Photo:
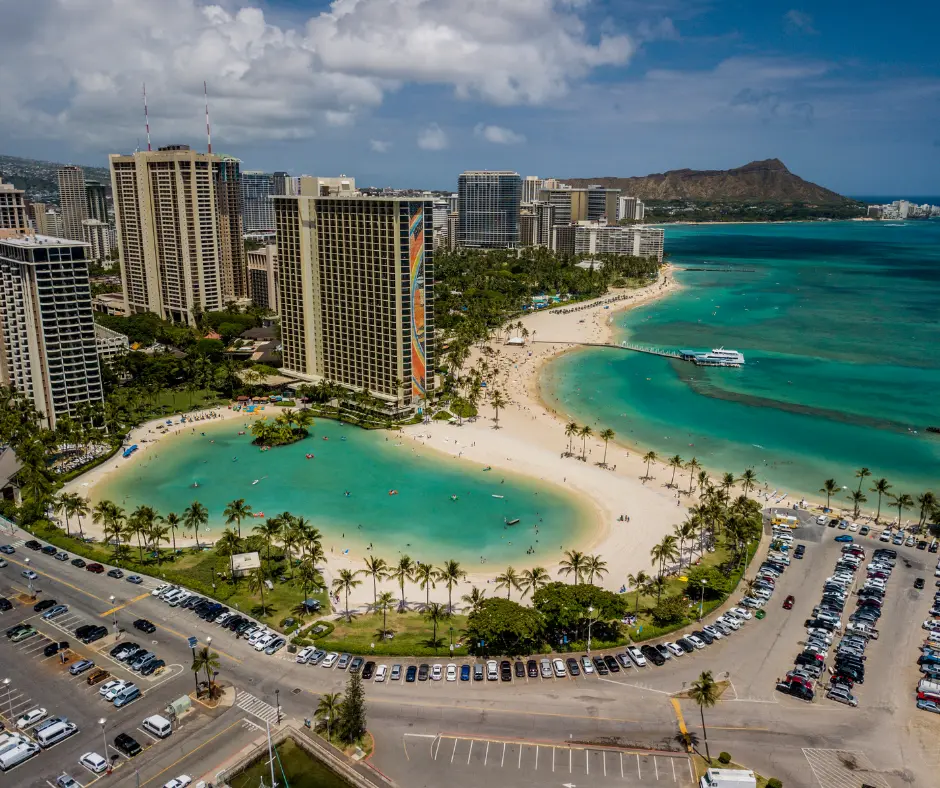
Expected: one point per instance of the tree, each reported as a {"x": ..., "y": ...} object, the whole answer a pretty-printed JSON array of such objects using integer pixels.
[
  {"x": 829, "y": 487},
  {"x": 594, "y": 565},
  {"x": 256, "y": 581},
  {"x": 450, "y": 574},
  {"x": 705, "y": 692},
  {"x": 497, "y": 401},
  {"x": 692, "y": 466},
  {"x": 173, "y": 522},
  {"x": 881, "y": 487},
  {"x": 377, "y": 569},
  {"x": 572, "y": 564},
  {"x": 727, "y": 482},
  {"x": 345, "y": 581},
  {"x": 660, "y": 554},
  {"x": 671, "y": 610},
  {"x": 402, "y": 572},
  {"x": 328, "y": 708},
  {"x": 235, "y": 512},
  {"x": 508, "y": 580},
  {"x": 857, "y": 497},
  {"x": 606, "y": 435},
  {"x": 424, "y": 576},
  {"x": 675, "y": 462},
  {"x": 584, "y": 433},
  {"x": 383, "y": 603},
  {"x": 156, "y": 535},
  {"x": 435, "y": 613},
  {"x": 229, "y": 544},
  {"x": 927, "y": 502},
  {"x": 566, "y": 608},
  {"x": 748, "y": 479},
  {"x": 902, "y": 501},
  {"x": 352, "y": 721},
  {"x": 474, "y": 599},
  {"x": 571, "y": 429},
  {"x": 195, "y": 516},
  {"x": 269, "y": 530},
  {"x": 532, "y": 580},
  {"x": 309, "y": 576},
  {"x": 648, "y": 458},
  {"x": 501, "y": 626},
  {"x": 636, "y": 582},
  {"x": 209, "y": 662},
  {"x": 861, "y": 474}
]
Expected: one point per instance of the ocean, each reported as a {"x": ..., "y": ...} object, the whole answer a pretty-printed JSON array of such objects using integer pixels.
[{"x": 838, "y": 322}]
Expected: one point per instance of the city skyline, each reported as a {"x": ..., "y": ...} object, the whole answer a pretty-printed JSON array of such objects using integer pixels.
[{"x": 397, "y": 95}]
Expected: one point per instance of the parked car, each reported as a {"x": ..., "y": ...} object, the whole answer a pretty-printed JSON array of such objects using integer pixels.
[{"x": 788, "y": 602}]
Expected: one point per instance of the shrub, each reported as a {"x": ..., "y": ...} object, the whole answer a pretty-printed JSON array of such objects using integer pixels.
[
  {"x": 671, "y": 610},
  {"x": 773, "y": 782},
  {"x": 724, "y": 757}
]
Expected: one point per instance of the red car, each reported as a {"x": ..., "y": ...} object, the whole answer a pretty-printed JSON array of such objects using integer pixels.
[
  {"x": 788, "y": 602},
  {"x": 96, "y": 568}
]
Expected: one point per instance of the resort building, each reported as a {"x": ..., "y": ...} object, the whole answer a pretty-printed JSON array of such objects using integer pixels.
[
  {"x": 488, "y": 209},
  {"x": 47, "y": 221},
  {"x": 47, "y": 331},
  {"x": 262, "y": 277},
  {"x": 109, "y": 304},
  {"x": 593, "y": 204},
  {"x": 73, "y": 198},
  {"x": 531, "y": 187},
  {"x": 97, "y": 202},
  {"x": 316, "y": 186},
  {"x": 99, "y": 238},
  {"x": 110, "y": 344},
  {"x": 13, "y": 217},
  {"x": 356, "y": 293},
  {"x": 282, "y": 183},
  {"x": 178, "y": 221},
  {"x": 602, "y": 238},
  {"x": 528, "y": 228},
  {"x": 631, "y": 209},
  {"x": 257, "y": 208}
]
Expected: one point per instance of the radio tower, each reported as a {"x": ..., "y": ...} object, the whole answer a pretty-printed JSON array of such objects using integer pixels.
[
  {"x": 146, "y": 117},
  {"x": 205, "y": 91}
]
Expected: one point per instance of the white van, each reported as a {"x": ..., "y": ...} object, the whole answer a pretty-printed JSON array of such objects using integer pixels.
[
  {"x": 10, "y": 740},
  {"x": 158, "y": 726},
  {"x": 55, "y": 733},
  {"x": 17, "y": 755},
  {"x": 170, "y": 596}
]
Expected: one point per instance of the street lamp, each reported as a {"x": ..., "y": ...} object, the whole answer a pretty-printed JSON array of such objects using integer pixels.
[
  {"x": 6, "y": 683},
  {"x": 590, "y": 613},
  {"x": 277, "y": 695},
  {"x": 102, "y": 722},
  {"x": 29, "y": 580},
  {"x": 701, "y": 602},
  {"x": 113, "y": 615}
]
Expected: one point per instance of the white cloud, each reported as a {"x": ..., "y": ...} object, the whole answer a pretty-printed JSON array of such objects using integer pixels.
[
  {"x": 499, "y": 135},
  {"x": 799, "y": 22},
  {"x": 432, "y": 137},
  {"x": 268, "y": 82},
  {"x": 380, "y": 146}
]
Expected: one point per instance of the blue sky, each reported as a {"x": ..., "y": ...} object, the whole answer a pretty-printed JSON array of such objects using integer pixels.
[{"x": 411, "y": 92}]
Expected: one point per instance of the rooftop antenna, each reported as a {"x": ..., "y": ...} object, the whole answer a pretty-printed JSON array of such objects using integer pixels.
[
  {"x": 146, "y": 117},
  {"x": 205, "y": 92}
]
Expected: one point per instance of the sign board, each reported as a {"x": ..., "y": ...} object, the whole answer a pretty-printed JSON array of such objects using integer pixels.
[{"x": 193, "y": 642}]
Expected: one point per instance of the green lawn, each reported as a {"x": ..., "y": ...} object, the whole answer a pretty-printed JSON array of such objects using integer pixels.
[{"x": 412, "y": 635}]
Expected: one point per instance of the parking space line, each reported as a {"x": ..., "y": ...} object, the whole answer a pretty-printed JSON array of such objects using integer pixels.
[
  {"x": 455, "y": 750},
  {"x": 536, "y": 757},
  {"x": 469, "y": 752},
  {"x": 621, "y": 767},
  {"x": 639, "y": 774},
  {"x": 521, "y": 747},
  {"x": 154, "y": 738},
  {"x": 604, "y": 754},
  {"x": 503, "y": 759},
  {"x": 486, "y": 754},
  {"x": 553, "y": 760},
  {"x": 656, "y": 767},
  {"x": 172, "y": 765},
  {"x": 587, "y": 762},
  {"x": 569, "y": 759}
]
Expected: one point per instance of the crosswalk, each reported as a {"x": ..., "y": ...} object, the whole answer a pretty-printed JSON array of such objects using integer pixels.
[{"x": 263, "y": 711}]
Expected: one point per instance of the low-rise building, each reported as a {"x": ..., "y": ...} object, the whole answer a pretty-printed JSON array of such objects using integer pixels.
[
  {"x": 262, "y": 277},
  {"x": 109, "y": 304},
  {"x": 111, "y": 344}
]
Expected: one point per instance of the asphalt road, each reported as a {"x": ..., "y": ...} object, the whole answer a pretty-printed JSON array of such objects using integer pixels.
[{"x": 434, "y": 733}]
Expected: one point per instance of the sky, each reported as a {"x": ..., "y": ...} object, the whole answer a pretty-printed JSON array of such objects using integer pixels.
[{"x": 409, "y": 93}]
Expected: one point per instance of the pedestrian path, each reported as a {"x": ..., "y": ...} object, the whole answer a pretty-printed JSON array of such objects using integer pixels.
[{"x": 263, "y": 711}]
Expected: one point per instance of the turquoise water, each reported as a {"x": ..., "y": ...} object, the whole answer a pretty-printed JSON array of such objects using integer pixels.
[
  {"x": 839, "y": 325},
  {"x": 420, "y": 520}
]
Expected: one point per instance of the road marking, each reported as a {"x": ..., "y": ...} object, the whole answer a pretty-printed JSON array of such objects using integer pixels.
[
  {"x": 59, "y": 580},
  {"x": 673, "y": 762},
  {"x": 656, "y": 767},
  {"x": 536, "y": 757},
  {"x": 455, "y": 750},
  {"x": 569, "y": 759},
  {"x": 521, "y": 746},
  {"x": 553, "y": 760},
  {"x": 587, "y": 762},
  {"x": 621, "y": 767},
  {"x": 172, "y": 765},
  {"x": 469, "y": 752},
  {"x": 501, "y": 711},
  {"x": 126, "y": 604},
  {"x": 486, "y": 754},
  {"x": 263, "y": 711},
  {"x": 638, "y": 773},
  {"x": 681, "y": 720}
]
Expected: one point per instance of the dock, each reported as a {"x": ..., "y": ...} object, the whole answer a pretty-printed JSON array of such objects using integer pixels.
[{"x": 651, "y": 351}]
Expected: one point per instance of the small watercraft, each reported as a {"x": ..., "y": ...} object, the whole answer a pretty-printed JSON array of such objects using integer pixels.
[
  {"x": 514, "y": 521},
  {"x": 325, "y": 438},
  {"x": 309, "y": 456},
  {"x": 488, "y": 468},
  {"x": 497, "y": 496},
  {"x": 256, "y": 481},
  {"x": 453, "y": 497},
  {"x": 393, "y": 492},
  {"x": 258, "y": 514}
]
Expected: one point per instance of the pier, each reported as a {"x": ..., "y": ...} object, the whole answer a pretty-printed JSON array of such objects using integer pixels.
[{"x": 687, "y": 355}]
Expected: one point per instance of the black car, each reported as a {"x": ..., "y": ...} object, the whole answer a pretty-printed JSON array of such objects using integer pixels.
[
  {"x": 210, "y": 612},
  {"x": 934, "y": 546},
  {"x": 16, "y": 629},
  {"x": 600, "y": 666},
  {"x": 368, "y": 670},
  {"x": 220, "y": 612},
  {"x": 573, "y": 668},
  {"x": 116, "y": 573},
  {"x": 653, "y": 655},
  {"x": 127, "y": 744},
  {"x": 921, "y": 545},
  {"x": 201, "y": 606},
  {"x": 505, "y": 670},
  {"x": 411, "y": 673},
  {"x": 78, "y": 562},
  {"x": 32, "y": 544},
  {"x": 54, "y": 648},
  {"x": 423, "y": 672},
  {"x": 532, "y": 668},
  {"x": 5, "y": 604},
  {"x": 44, "y": 605},
  {"x": 244, "y": 626},
  {"x": 704, "y": 637},
  {"x": 356, "y": 664},
  {"x": 685, "y": 645},
  {"x": 144, "y": 626},
  {"x": 152, "y": 666},
  {"x": 233, "y": 622},
  {"x": 85, "y": 629},
  {"x": 48, "y": 549},
  {"x": 919, "y": 583},
  {"x": 611, "y": 664},
  {"x": 96, "y": 634},
  {"x": 520, "y": 669},
  {"x": 191, "y": 603}
]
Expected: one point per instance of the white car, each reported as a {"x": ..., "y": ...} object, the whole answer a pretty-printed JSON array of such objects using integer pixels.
[
  {"x": 381, "y": 672},
  {"x": 105, "y": 688},
  {"x": 933, "y": 624},
  {"x": 179, "y": 782},
  {"x": 29, "y": 574},
  {"x": 93, "y": 762},
  {"x": 740, "y": 612},
  {"x": 304, "y": 654},
  {"x": 437, "y": 671},
  {"x": 712, "y": 631},
  {"x": 156, "y": 592},
  {"x": 750, "y": 601},
  {"x": 588, "y": 667},
  {"x": 822, "y": 520},
  {"x": 30, "y": 718},
  {"x": 637, "y": 656},
  {"x": 853, "y": 526},
  {"x": 256, "y": 636},
  {"x": 330, "y": 659},
  {"x": 559, "y": 667},
  {"x": 696, "y": 641},
  {"x": 676, "y": 650},
  {"x": 116, "y": 690},
  {"x": 452, "y": 672}
]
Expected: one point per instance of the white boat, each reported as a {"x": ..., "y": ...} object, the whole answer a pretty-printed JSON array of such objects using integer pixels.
[
  {"x": 721, "y": 357},
  {"x": 497, "y": 496}
]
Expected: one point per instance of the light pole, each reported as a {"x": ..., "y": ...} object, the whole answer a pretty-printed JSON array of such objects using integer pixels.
[
  {"x": 590, "y": 614},
  {"x": 277, "y": 695},
  {"x": 29, "y": 579},
  {"x": 701, "y": 601},
  {"x": 113, "y": 615},
  {"x": 102, "y": 722},
  {"x": 6, "y": 683},
  {"x": 208, "y": 677}
]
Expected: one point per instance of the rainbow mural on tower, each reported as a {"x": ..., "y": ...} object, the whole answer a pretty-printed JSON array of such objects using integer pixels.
[{"x": 418, "y": 347}]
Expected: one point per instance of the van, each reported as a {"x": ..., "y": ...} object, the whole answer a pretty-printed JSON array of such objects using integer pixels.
[
  {"x": 11, "y": 740},
  {"x": 181, "y": 597},
  {"x": 17, "y": 755},
  {"x": 170, "y": 596},
  {"x": 158, "y": 726},
  {"x": 55, "y": 733},
  {"x": 127, "y": 695}
]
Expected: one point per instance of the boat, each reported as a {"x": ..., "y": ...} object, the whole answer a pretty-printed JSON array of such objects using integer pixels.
[
  {"x": 488, "y": 468},
  {"x": 256, "y": 481},
  {"x": 717, "y": 357},
  {"x": 497, "y": 496},
  {"x": 309, "y": 456},
  {"x": 514, "y": 521},
  {"x": 393, "y": 492}
]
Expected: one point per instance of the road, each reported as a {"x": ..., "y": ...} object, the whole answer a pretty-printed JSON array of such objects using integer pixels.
[{"x": 426, "y": 733}]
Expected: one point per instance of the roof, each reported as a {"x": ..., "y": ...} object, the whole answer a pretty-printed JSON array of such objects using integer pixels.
[
  {"x": 261, "y": 332},
  {"x": 9, "y": 466}
]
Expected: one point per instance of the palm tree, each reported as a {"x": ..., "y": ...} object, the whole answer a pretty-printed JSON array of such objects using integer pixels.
[
  {"x": 208, "y": 661},
  {"x": 593, "y": 565},
  {"x": 675, "y": 463},
  {"x": 269, "y": 530},
  {"x": 881, "y": 487},
  {"x": 902, "y": 501},
  {"x": 829, "y": 487},
  {"x": 474, "y": 599},
  {"x": 329, "y": 707},
  {"x": 158, "y": 533},
  {"x": 256, "y": 581},
  {"x": 660, "y": 554},
  {"x": 573, "y": 564},
  {"x": 705, "y": 692},
  {"x": 402, "y": 572},
  {"x": 532, "y": 580},
  {"x": 309, "y": 576},
  {"x": 927, "y": 502},
  {"x": 235, "y": 512},
  {"x": 378, "y": 569},
  {"x": 704, "y": 484},
  {"x": 857, "y": 497},
  {"x": 435, "y": 613},
  {"x": 606, "y": 435},
  {"x": 497, "y": 401},
  {"x": 383, "y": 603},
  {"x": 748, "y": 479},
  {"x": 229, "y": 543},
  {"x": 141, "y": 520},
  {"x": 194, "y": 516},
  {"x": 584, "y": 433},
  {"x": 508, "y": 580},
  {"x": 63, "y": 504},
  {"x": 450, "y": 574},
  {"x": 173, "y": 522},
  {"x": 692, "y": 466},
  {"x": 727, "y": 482},
  {"x": 424, "y": 576},
  {"x": 861, "y": 474},
  {"x": 346, "y": 581},
  {"x": 571, "y": 429},
  {"x": 637, "y": 582},
  {"x": 648, "y": 458},
  {"x": 685, "y": 532}
]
